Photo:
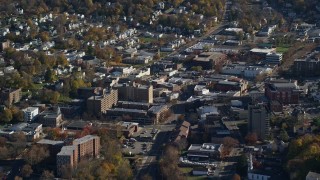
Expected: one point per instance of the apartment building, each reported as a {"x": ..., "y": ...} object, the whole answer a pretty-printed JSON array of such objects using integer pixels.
[
  {"x": 88, "y": 146},
  {"x": 30, "y": 113},
  {"x": 258, "y": 120},
  {"x": 135, "y": 92},
  {"x": 67, "y": 158},
  {"x": 10, "y": 96},
  {"x": 100, "y": 104},
  {"x": 82, "y": 148}
]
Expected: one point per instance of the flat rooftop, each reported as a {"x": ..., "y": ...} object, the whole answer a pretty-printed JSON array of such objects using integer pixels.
[
  {"x": 84, "y": 139},
  {"x": 50, "y": 142},
  {"x": 67, "y": 151},
  {"x": 206, "y": 147}
]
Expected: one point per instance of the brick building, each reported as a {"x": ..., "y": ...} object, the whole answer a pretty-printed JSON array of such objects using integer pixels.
[
  {"x": 258, "y": 120},
  {"x": 135, "y": 92},
  {"x": 307, "y": 67},
  {"x": 285, "y": 93},
  {"x": 10, "y": 96},
  {"x": 100, "y": 104},
  {"x": 82, "y": 148}
]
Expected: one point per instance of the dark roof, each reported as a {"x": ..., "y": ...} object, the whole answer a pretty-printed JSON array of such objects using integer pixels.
[{"x": 78, "y": 125}]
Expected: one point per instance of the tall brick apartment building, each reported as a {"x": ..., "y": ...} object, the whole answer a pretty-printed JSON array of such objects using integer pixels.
[
  {"x": 100, "y": 104},
  {"x": 10, "y": 96},
  {"x": 135, "y": 92},
  {"x": 82, "y": 148}
]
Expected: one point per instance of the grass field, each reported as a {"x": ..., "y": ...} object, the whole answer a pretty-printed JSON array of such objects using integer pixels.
[
  {"x": 282, "y": 49},
  {"x": 187, "y": 172},
  {"x": 147, "y": 39}
]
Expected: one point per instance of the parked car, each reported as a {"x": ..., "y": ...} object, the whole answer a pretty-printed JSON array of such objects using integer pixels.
[{"x": 132, "y": 140}]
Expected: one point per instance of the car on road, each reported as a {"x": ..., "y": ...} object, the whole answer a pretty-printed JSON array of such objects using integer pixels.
[{"x": 132, "y": 140}]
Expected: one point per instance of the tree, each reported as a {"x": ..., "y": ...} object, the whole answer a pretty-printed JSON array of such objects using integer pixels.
[
  {"x": 284, "y": 135},
  {"x": 62, "y": 60},
  {"x": 196, "y": 68},
  {"x": 49, "y": 96},
  {"x": 146, "y": 177},
  {"x": 228, "y": 144},
  {"x": 316, "y": 121},
  {"x": 124, "y": 170},
  {"x": 44, "y": 36},
  {"x": 242, "y": 165},
  {"x": 236, "y": 177},
  {"x": 26, "y": 171},
  {"x": 36, "y": 154},
  {"x": 118, "y": 59},
  {"x": 251, "y": 138},
  {"x": 3, "y": 141},
  {"x": 17, "y": 114},
  {"x": 47, "y": 175},
  {"x": 4, "y": 153},
  {"x": 169, "y": 163},
  {"x": 66, "y": 172},
  {"x": 6, "y": 115},
  {"x": 50, "y": 76}
]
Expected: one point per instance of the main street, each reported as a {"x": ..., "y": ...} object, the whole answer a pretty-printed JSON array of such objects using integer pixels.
[{"x": 149, "y": 163}]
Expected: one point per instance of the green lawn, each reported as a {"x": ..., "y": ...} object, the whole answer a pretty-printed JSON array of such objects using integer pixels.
[
  {"x": 147, "y": 39},
  {"x": 282, "y": 49},
  {"x": 64, "y": 99},
  {"x": 164, "y": 54},
  {"x": 38, "y": 86},
  {"x": 187, "y": 172},
  {"x": 196, "y": 177}
]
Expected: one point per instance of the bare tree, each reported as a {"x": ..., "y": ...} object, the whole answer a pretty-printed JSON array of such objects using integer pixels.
[
  {"x": 36, "y": 154},
  {"x": 169, "y": 163},
  {"x": 47, "y": 175},
  {"x": 26, "y": 171}
]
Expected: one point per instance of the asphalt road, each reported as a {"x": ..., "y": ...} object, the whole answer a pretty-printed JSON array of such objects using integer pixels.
[{"x": 150, "y": 161}]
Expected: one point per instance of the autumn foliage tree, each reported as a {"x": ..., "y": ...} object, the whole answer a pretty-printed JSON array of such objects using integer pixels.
[
  {"x": 251, "y": 138},
  {"x": 169, "y": 163},
  {"x": 36, "y": 154},
  {"x": 228, "y": 144}
]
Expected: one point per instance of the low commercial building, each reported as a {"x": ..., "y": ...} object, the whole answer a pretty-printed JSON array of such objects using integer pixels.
[
  {"x": 308, "y": 66},
  {"x": 132, "y": 115},
  {"x": 208, "y": 60},
  {"x": 273, "y": 58},
  {"x": 51, "y": 117},
  {"x": 285, "y": 93},
  {"x": 31, "y": 131},
  {"x": 204, "y": 152}
]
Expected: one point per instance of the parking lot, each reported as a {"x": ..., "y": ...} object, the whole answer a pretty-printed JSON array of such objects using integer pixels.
[
  {"x": 141, "y": 142},
  {"x": 136, "y": 147}
]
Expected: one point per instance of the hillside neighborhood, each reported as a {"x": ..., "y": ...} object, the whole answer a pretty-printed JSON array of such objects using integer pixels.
[{"x": 150, "y": 89}]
